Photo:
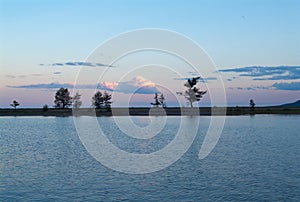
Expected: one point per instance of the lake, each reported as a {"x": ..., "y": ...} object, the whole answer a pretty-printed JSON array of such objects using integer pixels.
[{"x": 255, "y": 159}]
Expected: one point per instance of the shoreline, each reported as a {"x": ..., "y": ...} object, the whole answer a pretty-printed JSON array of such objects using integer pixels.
[{"x": 143, "y": 111}]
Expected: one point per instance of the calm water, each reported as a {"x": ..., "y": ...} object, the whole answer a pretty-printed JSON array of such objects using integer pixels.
[{"x": 256, "y": 159}]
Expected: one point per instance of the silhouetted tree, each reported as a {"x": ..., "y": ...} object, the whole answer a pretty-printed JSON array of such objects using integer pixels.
[
  {"x": 156, "y": 103},
  {"x": 15, "y": 104},
  {"x": 162, "y": 101},
  {"x": 63, "y": 98},
  {"x": 251, "y": 104},
  {"x": 76, "y": 101},
  {"x": 193, "y": 94},
  {"x": 97, "y": 100},
  {"x": 107, "y": 100}
]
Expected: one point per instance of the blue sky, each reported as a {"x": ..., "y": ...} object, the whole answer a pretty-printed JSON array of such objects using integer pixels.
[{"x": 236, "y": 34}]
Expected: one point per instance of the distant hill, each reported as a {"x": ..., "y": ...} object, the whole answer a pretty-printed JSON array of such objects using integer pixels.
[{"x": 294, "y": 104}]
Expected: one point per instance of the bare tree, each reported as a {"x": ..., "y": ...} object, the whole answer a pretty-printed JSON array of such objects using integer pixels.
[{"x": 63, "y": 98}]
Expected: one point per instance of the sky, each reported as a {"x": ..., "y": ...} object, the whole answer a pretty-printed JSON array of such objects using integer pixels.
[{"x": 253, "y": 45}]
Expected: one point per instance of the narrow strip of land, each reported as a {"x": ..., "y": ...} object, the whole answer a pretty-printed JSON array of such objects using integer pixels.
[{"x": 174, "y": 111}]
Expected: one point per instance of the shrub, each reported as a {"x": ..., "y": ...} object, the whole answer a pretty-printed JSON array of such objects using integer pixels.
[{"x": 45, "y": 108}]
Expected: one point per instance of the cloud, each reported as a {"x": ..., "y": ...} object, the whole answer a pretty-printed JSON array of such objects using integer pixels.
[
  {"x": 289, "y": 77},
  {"x": 194, "y": 73},
  {"x": 57, "y": 64},
  {"x": 36, "y": 75},
  {"x": 10, "y": 76},
  {"x": 110, "y": 85},
  {"x": 232, "y": 78},
  {"x": 202, "y": 79},
  {"x": 56, "y": 85},
  {"x": 99, "y": 86},
  {"x": 253, "y": 88},
  {"x": 44, "y": 86},
  {"x": 267, "y": 73},
  {"x": 78, "y": 64},
  {"x": 205, "y": 80},
  {"x": 294, "y": 86},
  {"x": 138, "y": 85},
  {"x": 247, "y": 88},
  {"x": 21, "y": 76}
]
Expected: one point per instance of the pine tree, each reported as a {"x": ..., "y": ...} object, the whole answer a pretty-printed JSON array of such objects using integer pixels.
[
  {"x": 251, "y": 104},
  {"x": 63, "y": 98},
  {"x": 107, "y": 100},
  {"x": 193, "y": 94},
  {"x": 162, "y": 101},
  {"x": 156, "y": 103},
  {"x": 76, "y": 101},
  {"x": 15, "y": 104},
  {"x": 97, "y": 100}
]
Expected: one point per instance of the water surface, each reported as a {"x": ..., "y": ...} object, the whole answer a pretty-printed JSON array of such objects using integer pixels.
[{"x": 256, "y": 158}]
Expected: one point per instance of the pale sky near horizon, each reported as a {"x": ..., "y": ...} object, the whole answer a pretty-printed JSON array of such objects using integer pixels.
[{"x": 254, "y": 43}]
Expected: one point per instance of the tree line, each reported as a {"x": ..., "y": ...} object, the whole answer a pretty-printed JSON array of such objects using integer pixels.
[
  {"x": 63, "y": 99},
  {"x": 99, "y": 100}
]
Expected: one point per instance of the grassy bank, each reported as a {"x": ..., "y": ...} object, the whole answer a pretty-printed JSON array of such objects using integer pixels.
[{"x": 205, "y": 111}]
